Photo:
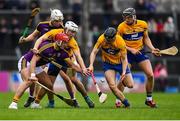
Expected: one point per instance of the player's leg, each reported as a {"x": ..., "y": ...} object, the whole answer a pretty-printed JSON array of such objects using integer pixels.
[
  {"x": 127, "y": 82},
  {"x": 22, "y": 87},
  {"x": 51, "y": 102},
  {"x": 80, "y": 87},
  {"x": 69, "y": 86},
  {"x": 68, "y": 83},
  {"x": 44, "y": 79},
  {"x": 110, "y": 76},
  {"x": 147, "y": 69},
  {"x": 34, "y": 89},
  {"x": 53, "y": 71},
  {"x": 31, "y": 96}
]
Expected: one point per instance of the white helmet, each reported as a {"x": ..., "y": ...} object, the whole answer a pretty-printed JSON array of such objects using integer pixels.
[
  {"x": 56, "y": 14},
  {"x": 71, "y": 26}
]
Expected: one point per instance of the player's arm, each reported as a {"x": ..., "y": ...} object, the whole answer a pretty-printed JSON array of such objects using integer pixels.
[
  {"x": 29, "y": 38},
  {"x": 41, "y": 39},
  {"x": 92, "y": 58},
  {"x": 133, "y": 51},
  {"x": 32, "y": 36},
  {"x": 94, "y": 52},
  {"x": 47, "y": 36},
  {"x": 34, "y": 59},
  {"x": 77, "y": 53},
  {"x": 124, "y": 62},
  {"x": 149, "y": 44},
  {"x": 72, "y": 65}
]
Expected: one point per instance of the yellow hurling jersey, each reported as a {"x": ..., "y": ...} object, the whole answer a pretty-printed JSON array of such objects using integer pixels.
[
  {"x": 72, "y": 45},
  {"x": 51, "y": 34},
  {"x": 111, "y": 52},
  {"x": 133, "y": 35}
]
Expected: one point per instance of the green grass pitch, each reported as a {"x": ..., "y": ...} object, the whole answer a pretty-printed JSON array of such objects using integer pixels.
[{"x": 168, "y": 108}]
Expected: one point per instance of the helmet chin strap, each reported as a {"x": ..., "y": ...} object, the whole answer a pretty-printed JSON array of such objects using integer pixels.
[{"x": 66, "y": 31}]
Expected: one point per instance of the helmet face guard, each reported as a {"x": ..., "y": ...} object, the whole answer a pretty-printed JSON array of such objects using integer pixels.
[
  {"x": 109, "y": 34},
  {"x": 109, "y": 40},
  {"x": 69, "y": 25},
  {"x": 56, "y": 15},
  {"x": 56, "y": 23},
  {"x": 71, "y": 28},
  {"x": 129, "y": 15}
]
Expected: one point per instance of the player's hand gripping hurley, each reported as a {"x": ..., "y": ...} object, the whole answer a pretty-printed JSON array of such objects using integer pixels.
[
  {"x": 34, "y": 12},
  {"x": 102, "y": 96}
]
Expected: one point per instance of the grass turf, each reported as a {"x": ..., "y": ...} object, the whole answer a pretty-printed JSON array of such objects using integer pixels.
[{"x": 168, "y": 108}]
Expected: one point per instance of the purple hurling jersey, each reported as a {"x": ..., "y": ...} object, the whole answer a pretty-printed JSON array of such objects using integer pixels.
[
  {"x": 45, "y": 26},
  {"x": 47, "y": 49}
]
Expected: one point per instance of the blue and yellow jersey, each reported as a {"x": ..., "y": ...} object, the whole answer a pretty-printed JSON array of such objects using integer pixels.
[
  {"x": 72, "y": 45},
  {"x": 111, "y": 52},
  {"x": 133, "y": 35},
  {"x": 45, "y": 26}
]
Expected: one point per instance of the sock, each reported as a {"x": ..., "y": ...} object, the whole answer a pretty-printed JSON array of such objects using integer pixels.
[
  {"x": 149, "y": 96},
  {"x": 71, "y": 95},
  {"x": 51, "y": 102},
  {"x": 15, "y": 99},
  {"x": 125, "y": 102},
  {"x": 37, "y": 100},
  {"x": 86, "y": 98}
]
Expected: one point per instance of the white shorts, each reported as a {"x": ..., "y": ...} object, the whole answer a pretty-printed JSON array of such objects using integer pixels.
[{"x": 22, "y": 63}]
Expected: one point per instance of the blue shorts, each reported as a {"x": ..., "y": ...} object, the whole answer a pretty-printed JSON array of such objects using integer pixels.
[
  {"x": 137, "y": 58},
  {"x": 54, "y": 70},
  {"x": 116, "y": 67}
]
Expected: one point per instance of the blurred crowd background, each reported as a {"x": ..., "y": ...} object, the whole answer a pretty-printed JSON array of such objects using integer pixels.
[{"x": 93, "y": 17}]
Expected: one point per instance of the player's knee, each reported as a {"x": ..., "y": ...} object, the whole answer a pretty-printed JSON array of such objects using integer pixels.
[
  {"x": 74, "y": 79},
  {"x": 150, "y": 76},
  {"x": 130, "y": 85},
  {"x": 112, "y": 87}
]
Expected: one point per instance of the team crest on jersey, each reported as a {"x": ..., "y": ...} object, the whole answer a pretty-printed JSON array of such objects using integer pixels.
[{"x": 111, "y": 51}]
